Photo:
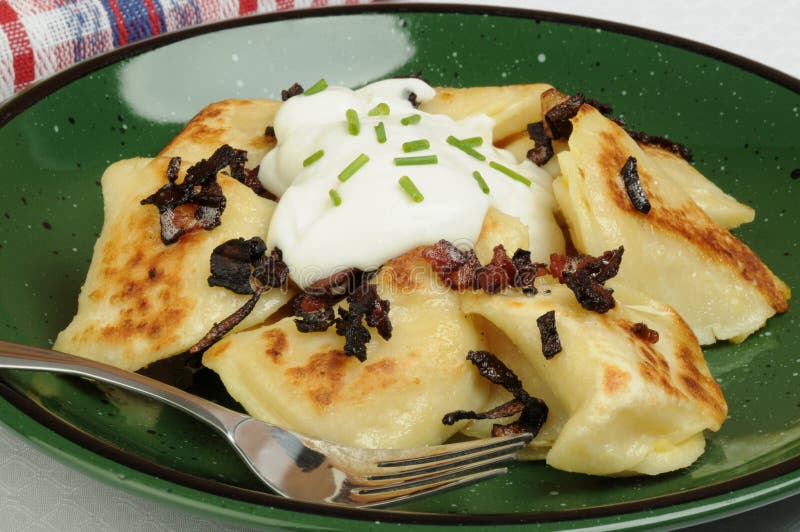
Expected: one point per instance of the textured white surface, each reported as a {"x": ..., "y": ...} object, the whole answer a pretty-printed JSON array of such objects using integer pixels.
[{"x": 37, "y": 493}]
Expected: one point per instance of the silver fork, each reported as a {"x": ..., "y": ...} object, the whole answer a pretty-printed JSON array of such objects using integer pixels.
[{"x": 297, "y": 466}]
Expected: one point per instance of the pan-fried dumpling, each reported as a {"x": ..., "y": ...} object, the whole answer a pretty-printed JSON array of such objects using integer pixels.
[
  {"x": 632, "y": 407},
  {"x": 238, "y": 123},
  {"x": 142, "y": 300},
  {"x": 396, "y": 398},
  {"x": 675, "y": 253},
  {"x": 512, "y": 107},
  {"x": 721, "y": 207}
]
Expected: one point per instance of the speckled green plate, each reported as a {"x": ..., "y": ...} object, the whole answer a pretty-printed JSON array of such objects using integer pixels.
[{"x": 740, "y": 119}]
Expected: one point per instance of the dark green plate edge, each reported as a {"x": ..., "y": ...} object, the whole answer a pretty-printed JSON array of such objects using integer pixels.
[{"x": 113, "y": 465}]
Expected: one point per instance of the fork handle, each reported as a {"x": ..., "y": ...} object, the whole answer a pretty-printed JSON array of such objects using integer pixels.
[{"x": 25, "y": 357}]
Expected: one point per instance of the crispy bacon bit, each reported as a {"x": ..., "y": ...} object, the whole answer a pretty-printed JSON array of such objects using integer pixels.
[
  {"x": 533, "y": 411},
  {"x": 661, "y": 142},
  {"x": 498, "y": 274},
  {"x": 644, "y": 332},
  {"x": 247, "y": 177},
  {"x": 585, "y": 275},
  {"x": 232, "y": 264},
  {"x": 526, "y": 271},
  {"x": 456, "y": 268},
  {"x": 315, "y": 313},
  {"x": 363, "y": 304},
  {"x": 294, "y": 90},
  {"x": 314, "y": 308},
  {"x": 461, "y": 270},
  {"x": 633, "y": 186},
  {"x": 243, "y": 267},
  {"x": 558, "y": 117},
  {"x": 173, "y": 168},
  {"x": 543, "y": 149},
  {"x": 195, "y": 203},
  {"x": 551, "y": 343}
]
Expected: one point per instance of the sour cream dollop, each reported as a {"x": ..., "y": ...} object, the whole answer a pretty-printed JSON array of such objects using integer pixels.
[{"x": 377, "y": 219}]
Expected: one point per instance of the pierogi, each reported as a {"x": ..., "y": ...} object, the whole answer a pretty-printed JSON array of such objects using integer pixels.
[{"x": 619, "y": 403}]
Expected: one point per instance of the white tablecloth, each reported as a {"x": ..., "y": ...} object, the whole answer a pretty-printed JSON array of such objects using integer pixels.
[{"x": 37, "y": 493}]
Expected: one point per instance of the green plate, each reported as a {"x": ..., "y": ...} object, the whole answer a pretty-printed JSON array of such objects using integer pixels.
[{"x": 740, "y": 119}]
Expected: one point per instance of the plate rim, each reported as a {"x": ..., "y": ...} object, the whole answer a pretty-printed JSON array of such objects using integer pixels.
[
  {"x": 35, "y": 92},
  {"x": 787, "y": 470}
]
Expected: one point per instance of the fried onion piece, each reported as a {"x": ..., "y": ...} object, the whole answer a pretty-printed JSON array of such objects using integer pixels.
[
  {"x": 533, "y": 411},
  {"x": 633, "y": 186},
  {"x": 195, "y": 203},
  {"x": 551, "y": 343},
  {"x": 558, "y": 117},
  {"x": 585, "y": 275}
]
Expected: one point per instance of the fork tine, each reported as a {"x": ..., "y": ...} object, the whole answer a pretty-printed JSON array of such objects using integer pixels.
[
  {"x": 484, "y": 456},
  {"x": 442, "y": 453},
  {"x": 402, "y": 492}
]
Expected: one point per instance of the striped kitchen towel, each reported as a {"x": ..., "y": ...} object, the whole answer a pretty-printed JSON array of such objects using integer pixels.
[{"x": 40, "y": 37}]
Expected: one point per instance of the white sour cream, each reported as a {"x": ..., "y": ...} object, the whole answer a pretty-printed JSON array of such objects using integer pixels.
[{"x": 377, "y": 219}]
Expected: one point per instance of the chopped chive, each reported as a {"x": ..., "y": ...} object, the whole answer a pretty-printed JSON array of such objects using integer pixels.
[
  {"x": 416, "y": 145},
  {"x": 481, "y": 183},
  {"x": 381, "y": 109},
  {"x": 335, "y": 197},
  {"x": 420, "y": 159},
  {"x": 314, "y": 157},
  {"x": 510, "y": 173},
  {"x": 353, "y": 125},
  {"x": 353, "y": 167},
  {"x": 451, "y": 140},
  {"x": 411, "y": 189},
  {"x": 380, "y": 133},
  {"x": 410, "y": 119},
  {"x": 472, "y": 142},
  {"x": 319, "y": 86}
]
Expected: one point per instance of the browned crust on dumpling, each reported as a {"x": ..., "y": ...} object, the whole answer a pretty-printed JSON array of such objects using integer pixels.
[{"x": 688, "y": 221}]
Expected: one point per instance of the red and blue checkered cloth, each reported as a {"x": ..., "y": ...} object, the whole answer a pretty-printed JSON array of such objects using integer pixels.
[{"x": 41, "y": 37}]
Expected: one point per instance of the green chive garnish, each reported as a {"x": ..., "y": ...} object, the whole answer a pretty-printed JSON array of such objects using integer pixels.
[
  {"x": 416, "y": 145},
  {"x": 411, "y": 189},
  {"x": 353, "y": 167},
  {"x": 335, "y": 197},
  {"x": 420, "y": 159},
  {"x": 510, "y": 173},
  {"x": 481, "y": 183},
  {"x": 319, "y": 86},
  {"x": 353, "y": 125},
  {"x": 380, "y": 133},
  {"x": 410, "y": 119},
  {"x": 314, "y": 157},
  {"x": 451, "y": 140},
  {"x": 472, "y": 142},
  {"x": 381, "y": 109}
]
